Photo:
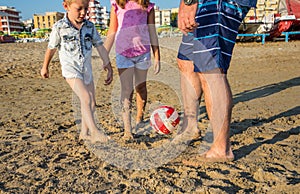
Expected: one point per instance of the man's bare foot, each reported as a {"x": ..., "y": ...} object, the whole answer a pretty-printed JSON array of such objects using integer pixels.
[
  {"x": 190, "y": 134},
  {"x": 98, "y": 136},
  {"x": 209, "y": 157}
]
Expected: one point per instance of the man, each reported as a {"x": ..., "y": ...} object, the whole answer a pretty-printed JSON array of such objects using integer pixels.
[{"x": 210, "y": 29}]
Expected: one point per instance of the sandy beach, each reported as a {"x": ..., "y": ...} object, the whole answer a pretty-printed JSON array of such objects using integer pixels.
[{"x": 40, "y": 122}]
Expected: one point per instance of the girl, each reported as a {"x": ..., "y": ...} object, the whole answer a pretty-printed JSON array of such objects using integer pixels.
[{"x": 132, "y": 26}]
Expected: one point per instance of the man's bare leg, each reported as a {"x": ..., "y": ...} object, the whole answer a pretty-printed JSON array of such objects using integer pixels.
[
  {"x": 218, "y": 100},
  {"x": 191, "y": 93}
]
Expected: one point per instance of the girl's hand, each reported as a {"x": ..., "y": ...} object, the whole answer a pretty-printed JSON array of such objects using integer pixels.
[
  {"x": 137, "y": 44},
  {"x": 156, "y": 67}
]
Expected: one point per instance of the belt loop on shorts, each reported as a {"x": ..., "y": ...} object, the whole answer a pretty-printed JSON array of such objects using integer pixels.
[{"x": 219, "y": 4}]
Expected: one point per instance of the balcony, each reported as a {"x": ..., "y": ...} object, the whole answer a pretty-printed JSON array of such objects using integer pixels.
[
  {"x": 270, "y": 8},
  {"x": 92, "y": 4},
  {"x": 14, "y": 16},
  {"x": 12, "y": 26}
]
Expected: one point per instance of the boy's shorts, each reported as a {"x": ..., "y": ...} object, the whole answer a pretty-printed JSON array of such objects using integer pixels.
[
  {"x": 210, "y": 46},
  {"x": 83, "y": 72},
  {"x": 142, "y": 62}
]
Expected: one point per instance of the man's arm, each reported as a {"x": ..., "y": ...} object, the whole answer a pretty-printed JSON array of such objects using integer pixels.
[{"x": 186, "y": 17}]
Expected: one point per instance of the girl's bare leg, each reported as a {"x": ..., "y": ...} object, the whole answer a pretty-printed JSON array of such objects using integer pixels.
[
  {"x": 126, "y": 79},
  {"x": 84, "y": 94},
  {"x": 141, "y": 93}
]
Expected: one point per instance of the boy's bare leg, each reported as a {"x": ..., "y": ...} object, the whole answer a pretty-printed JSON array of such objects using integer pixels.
[
  {"x": 81, "y": 90},
  {"x": 126, "y": 79},
  {"x": 141, "y": 93},
  {"x": 191, "y": 93},
  {"x": 84, "y": 128},
  {"x": 218, "y": 99}
]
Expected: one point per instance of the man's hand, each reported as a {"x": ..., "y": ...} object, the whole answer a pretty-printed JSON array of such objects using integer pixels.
[{"x": 186, "y": 17}]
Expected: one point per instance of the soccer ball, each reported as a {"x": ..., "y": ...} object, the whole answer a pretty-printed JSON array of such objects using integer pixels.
[{"x": 164, "y": 119}]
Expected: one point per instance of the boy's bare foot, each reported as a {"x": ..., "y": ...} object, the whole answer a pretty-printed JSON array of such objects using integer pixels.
[
  {"x": 98, "y": 136},
  {"x": 84, "y": 133},
  {"x": 83, "y": 136}
]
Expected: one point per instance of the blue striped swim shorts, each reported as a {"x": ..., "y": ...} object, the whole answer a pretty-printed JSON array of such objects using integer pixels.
[{"x": 210, "y": 46}]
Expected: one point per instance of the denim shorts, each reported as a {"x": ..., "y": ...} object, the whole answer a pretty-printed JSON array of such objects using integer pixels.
[
  {"x": 210, "y": 46},
  {"x": 142, "y": 62},
  {"x": 83, "y": 72}
]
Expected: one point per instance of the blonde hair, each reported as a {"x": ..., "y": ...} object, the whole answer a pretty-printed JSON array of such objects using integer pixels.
[
  {"x": 69, "y": 2},
  {"x": 143, "y": 3}
]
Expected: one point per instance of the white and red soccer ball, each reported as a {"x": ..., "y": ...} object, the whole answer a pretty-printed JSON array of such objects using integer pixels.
[{"x": 164, "y": 119}]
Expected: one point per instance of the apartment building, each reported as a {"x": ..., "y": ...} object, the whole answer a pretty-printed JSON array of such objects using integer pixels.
[
  {"x": 106, "y": 17},
  {"x": 10, "y": 20},
  {"x": 162, "y": 17},
  {"x": 95, "y": 13},
  {"x": 42, "y": 21}
]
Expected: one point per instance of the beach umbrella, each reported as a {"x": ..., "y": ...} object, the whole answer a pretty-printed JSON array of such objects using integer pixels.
[{"x": 14, "y": 33}]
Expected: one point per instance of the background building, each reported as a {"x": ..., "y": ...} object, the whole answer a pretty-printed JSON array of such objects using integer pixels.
[
  {"x": 106, "y": 17},
  {"x": 10, "y": 20},
  {"x": 28, "y": 25},
  {"x": 42, "y": 21},
  {"x": 162, "y": 17},
  {"x": 95, "y": 13}
]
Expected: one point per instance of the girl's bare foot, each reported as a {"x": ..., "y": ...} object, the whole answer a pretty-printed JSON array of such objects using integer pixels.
[{"x": 128, "y": 136}]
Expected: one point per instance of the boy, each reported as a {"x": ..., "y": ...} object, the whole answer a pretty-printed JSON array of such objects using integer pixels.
[{"x": 74, "y": 37}]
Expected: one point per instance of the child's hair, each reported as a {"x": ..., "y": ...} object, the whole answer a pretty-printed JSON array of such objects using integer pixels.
[
  {"x": 143, "y": 3},
  {"x": 69, "y": 1}
]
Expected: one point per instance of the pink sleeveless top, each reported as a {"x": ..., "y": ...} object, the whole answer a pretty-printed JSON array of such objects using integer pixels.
[{"x": 132, "y": 27}]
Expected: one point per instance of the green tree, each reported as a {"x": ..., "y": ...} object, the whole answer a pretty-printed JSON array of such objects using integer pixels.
[{"x": 174, "y": 19}]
